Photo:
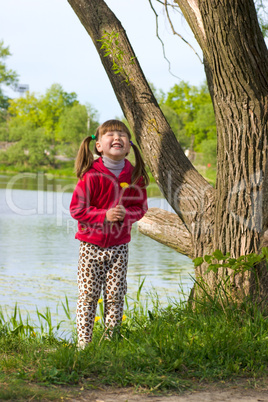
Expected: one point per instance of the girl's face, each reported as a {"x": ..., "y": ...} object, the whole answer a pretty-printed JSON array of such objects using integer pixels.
[{"x": 114, "y": 144}]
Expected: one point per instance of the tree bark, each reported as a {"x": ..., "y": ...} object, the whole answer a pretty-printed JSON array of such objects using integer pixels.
[
  {"x": 167, "y": 228},
  {"x": 236, "y": 64},
  {"x": 232, "y": 218},
  {"x": 185, "y": 189}
]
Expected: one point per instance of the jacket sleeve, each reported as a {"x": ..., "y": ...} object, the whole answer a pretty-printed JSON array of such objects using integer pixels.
[
  {"x": 80, "y": 208},
  {"x": 137, "y": 208}
]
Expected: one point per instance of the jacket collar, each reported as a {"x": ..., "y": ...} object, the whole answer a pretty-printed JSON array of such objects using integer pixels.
[{"x": 126, "y": 172}]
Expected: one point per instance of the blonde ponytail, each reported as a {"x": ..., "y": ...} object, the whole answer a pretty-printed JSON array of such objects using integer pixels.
[
  {"x": 139, "y": 169},
  {"x": 84, "y": 158}
]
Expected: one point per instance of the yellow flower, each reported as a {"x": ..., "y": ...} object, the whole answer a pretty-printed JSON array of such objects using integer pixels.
[
  {"x": 124, "y": 185},
  {"x": 100, "y": 300},
  {"x": 124, "y": 317},
  {"x": 97, "y": 319}
]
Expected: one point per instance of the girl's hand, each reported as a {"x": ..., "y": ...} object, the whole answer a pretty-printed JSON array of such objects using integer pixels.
[{"x": 116, "y": 214}]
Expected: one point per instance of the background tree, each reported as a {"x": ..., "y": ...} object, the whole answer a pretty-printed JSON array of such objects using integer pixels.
[
  {"x": 52, "y": 105},
  {"x": 194, "y": 123},
  {"x": 43, "y": 111},
  {"x": 31, "y": 151},
  {"x": 43, "y": 126},
  {"x": 22, "y": 110},
  {"x": 8, "y": 77},
  {"x": 233, "y": 217},
  {"x": 74, "y": 125}
]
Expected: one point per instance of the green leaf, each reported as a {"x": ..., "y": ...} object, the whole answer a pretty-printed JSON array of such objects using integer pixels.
[
  {"x": 218, "y": 255},
  {"x": 151, "y": 316},
  {"x": 198, "y": 261},
  {"x": 214, "y": 267},
  {"x": 264, "y": 251},
  {"x": 208, "y": 258},
  {"x": 232, "y": 261}
]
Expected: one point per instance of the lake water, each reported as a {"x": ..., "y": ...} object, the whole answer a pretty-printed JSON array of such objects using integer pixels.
[{"x": 38, "y": 260}]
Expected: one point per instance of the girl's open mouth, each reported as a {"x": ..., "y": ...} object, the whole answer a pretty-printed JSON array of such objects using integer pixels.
[{"x": 117, "y": 146}]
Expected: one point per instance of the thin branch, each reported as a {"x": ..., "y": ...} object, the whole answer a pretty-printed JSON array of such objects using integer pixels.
[
  {"x": 175, "y": 7},
  {"x": 176, "y": 33},
  {"x": 162, "y": 43}
]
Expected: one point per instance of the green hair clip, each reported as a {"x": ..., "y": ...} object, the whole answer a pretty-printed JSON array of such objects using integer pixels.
[{"x": 93, "y": 137}]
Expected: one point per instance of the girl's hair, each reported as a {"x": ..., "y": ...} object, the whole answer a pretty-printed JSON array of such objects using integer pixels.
[{"x": 85, "y": 157}]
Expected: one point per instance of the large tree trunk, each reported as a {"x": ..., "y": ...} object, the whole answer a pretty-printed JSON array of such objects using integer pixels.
[
  {"x": 184, "y": 188},
  {"x": 236, "y": 64}
]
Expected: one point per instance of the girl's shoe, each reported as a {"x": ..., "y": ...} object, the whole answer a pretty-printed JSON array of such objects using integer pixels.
[{"x": 81, "y": 345}]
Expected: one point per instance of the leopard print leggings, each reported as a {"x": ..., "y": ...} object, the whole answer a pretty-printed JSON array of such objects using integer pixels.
[{"x": 100, "y": 268}]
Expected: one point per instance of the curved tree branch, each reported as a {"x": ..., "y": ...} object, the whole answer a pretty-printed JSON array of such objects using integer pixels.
[
  {"x": 186, "y": 190},
  {"x": 167, "y": 228},
  {"x": 236, "y": 60}
]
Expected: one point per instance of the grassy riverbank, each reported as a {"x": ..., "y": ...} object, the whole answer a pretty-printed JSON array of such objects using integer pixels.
[
  {"x": 67, "y": 170},
  {"x": 158, "y": 349}
]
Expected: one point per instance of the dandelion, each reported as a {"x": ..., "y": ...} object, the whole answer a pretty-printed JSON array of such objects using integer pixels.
[
  {"x": 100, "y": 301},
  {"x": 124, "y": 317},
  {"x": 97, "y": 319},
  {"x": 124, "y": 185}
]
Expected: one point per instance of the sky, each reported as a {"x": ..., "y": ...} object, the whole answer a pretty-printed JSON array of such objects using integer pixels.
[{"x": 49, "y": 45}]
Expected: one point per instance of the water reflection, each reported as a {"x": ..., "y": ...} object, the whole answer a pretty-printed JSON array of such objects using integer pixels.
[
  {"x": 39, "y": 253},
  {"x": 48, "y": 183}
]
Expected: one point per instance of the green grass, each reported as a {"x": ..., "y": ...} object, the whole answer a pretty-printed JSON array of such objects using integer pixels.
[
  {"x": 209, "y": 173},
  {"x": 19, "y": 390},
  {"x": 65, "y": 169},
  {"x": 157, "y": 349}
]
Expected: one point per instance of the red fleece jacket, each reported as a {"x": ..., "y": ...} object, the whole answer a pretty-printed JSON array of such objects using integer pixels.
[{"x": 100, "y": 190}]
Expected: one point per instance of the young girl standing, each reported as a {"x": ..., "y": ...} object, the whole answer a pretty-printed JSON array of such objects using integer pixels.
[{"x": 109, "y": 197}]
